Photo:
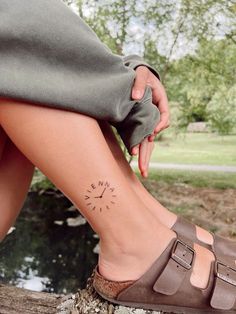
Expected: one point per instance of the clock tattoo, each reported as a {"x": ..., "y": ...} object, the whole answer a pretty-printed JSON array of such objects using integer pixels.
[{"x": 100, "y": 196}]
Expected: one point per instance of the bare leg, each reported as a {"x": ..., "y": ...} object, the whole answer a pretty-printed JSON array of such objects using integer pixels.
[
  {"x": 3, "y": 138},
  {"x": 71, "y": 150},
  {"x": 15, "y": 176},
  {"x": 161, "y": 213}
]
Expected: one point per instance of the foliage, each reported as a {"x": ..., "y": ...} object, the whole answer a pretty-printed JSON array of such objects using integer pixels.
[
  {"x": 40, "y": 182},
  {"x": 191, "y": 43},
  {"x": 198, "y": 82},
  {"x": 109, "y": 20},
  {"x": 222, "y": 110}
]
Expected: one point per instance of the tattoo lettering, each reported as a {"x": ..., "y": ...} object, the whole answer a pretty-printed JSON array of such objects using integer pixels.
[{"x": 100, "y": 195}]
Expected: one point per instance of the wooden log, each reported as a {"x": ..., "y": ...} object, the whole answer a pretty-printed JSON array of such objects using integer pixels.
[
  {"x": 86, "y": 301},
  {"x": 21, "y": 301}
]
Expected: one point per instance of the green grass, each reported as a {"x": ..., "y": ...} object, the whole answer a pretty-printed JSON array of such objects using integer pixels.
[
  {"x": 199, "y": 179},
  {"x": 196, "y": 148},
  {"x": 189, "y": 148}
]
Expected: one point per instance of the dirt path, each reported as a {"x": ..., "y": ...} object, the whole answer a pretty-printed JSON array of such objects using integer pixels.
[
  {"x": 157, "y": 165},
  {"x": 213, "y": 209}
]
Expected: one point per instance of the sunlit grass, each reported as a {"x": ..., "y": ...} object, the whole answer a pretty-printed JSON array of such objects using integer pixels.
[
  {"x": 199, "y": 179},
  {"x": 192, "y": 148}
]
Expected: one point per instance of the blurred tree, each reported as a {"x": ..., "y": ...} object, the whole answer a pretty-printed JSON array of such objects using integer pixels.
[
  {"x": 194, "y": 81},
  {"x": 222, "y": 110},
  {"x": 109, "y": 19},
  {"x": 191, "y": 43}
]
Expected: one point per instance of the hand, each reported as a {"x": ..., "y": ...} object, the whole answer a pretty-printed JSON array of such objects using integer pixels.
[{"x": 145, "y": 77}]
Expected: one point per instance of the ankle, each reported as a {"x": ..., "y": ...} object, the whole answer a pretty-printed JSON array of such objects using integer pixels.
[
  {"x": 129, "y": 259},
  {"x": 129, "y": 240}
]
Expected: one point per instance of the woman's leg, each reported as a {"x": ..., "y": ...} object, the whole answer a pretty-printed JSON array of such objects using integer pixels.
[
  {"x": 3, "y": 138},
  {"x": 159, "y": 211},
  {"x": 15, "y": 176},
  {"x": 71, "y": 150}
]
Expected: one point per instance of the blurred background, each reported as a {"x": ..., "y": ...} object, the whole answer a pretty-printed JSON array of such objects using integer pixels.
[{"x": 192, "y": 44}]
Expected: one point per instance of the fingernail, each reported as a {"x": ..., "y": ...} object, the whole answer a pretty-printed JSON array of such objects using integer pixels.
[{"x": 137, "y": 93}]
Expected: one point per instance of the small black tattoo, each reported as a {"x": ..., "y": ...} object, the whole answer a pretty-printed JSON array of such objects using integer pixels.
[{"x": 101, "y": 194}]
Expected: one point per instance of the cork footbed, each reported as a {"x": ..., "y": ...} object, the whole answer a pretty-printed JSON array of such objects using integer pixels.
[{"x": 109, "y": 288}]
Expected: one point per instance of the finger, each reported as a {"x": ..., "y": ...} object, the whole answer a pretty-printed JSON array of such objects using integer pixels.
[
  {"x": 142, "y": 155},
  {"x": 146, "y": 149},
  {"x": 148, "y": 157},
  {"x": 140, "y": 82},
  {"x": 159, "y": 98},
  {"x": 135, "y": 149},
  {"x": 164, "y": 116},
  {"x": 151, "y": 137},
  {"x": 163, "y": 124}
]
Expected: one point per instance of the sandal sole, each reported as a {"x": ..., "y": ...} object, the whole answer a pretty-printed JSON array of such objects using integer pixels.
[{"x": 167, "y": 308}]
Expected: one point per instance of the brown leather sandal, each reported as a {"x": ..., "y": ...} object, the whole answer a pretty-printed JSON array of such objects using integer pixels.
[
  {"x": 166, "y": 285},
  {"x": 220, "y": 246}
]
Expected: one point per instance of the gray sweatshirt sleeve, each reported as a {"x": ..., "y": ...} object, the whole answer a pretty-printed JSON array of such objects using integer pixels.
[
  {"x": 50, "y": 57},
  {"x": 134, "y": 60}
]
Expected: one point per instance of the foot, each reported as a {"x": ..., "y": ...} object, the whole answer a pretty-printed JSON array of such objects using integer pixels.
[
  {"x": 168, "y": 219},
  {"x": 202, "y": 234},
  {"x": 176, "y": 281},
  {"x": 217, "y": 244},
  {"x": 125, "y": 266}
]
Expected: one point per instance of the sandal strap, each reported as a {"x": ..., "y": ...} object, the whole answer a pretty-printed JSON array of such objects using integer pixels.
[
  {"x": 224, "y": 246},
  {"x": 180, "y": 262},
  {"x": 187, "y": 229},
  {"x": 224, "y": 292}
]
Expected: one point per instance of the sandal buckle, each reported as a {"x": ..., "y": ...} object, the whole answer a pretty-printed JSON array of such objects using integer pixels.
[
  {"x": 179, "y": 259},
  {"x": 224, "y": 271}
]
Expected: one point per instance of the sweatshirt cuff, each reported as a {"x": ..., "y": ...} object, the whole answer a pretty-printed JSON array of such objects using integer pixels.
[
  {"x": 140, "y": 121},
  {"x": 133, "y": 61}
]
